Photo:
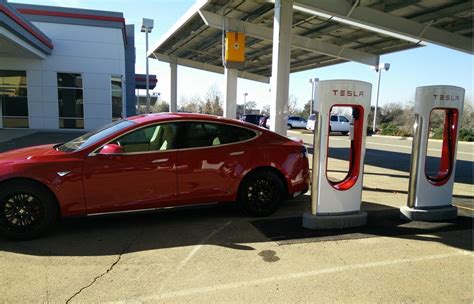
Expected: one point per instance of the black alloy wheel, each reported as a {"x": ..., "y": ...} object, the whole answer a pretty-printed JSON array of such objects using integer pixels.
[
  {"x": 261, "y": 193},
  {"x": 26, "y": 210}
]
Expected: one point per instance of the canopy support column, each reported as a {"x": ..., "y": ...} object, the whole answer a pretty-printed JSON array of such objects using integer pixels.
[
  {"x": 282, "y": 23},
  {"x": 230, "y": 102},
  {"x": 173, "y": 87}
]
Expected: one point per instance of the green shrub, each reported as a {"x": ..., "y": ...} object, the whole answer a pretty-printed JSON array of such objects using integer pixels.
[
  {"x": 466, "y": 135},
  {"x": 437, "y": 133},
  {"x": 393, "y": 130}
]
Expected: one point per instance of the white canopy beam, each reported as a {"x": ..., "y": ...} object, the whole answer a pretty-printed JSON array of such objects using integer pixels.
[
  {"x": 207, "y": 67},
  {"x": 377, "y": 20},
  {"x": 301, "y": 42}
]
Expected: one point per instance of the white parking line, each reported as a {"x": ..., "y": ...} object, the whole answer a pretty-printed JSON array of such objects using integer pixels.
[
  {"x": 298, "y": 275},
  {"x": 191, "y": 255}
]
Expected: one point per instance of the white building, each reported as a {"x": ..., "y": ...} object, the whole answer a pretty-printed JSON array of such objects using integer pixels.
[{"x": 64, "y": 68}]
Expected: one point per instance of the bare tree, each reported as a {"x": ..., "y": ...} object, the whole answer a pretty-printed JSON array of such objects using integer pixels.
[
  {"x": 213, "y": 101},
  {"x": 467, "y": 121},
  {"x": 161, "y": 106},
  {"x": 292, "y": 105},
  {"x": 191, "y": 104},
  {"x": 265, "y": 110},
  {"x": 250, "y": 105}
]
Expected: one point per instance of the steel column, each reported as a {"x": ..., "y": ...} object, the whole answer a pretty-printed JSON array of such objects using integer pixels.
[
  {"x": 173, "y": 87},
  {"x": 230, "y": 102},
  {"x": 282, "y": 23}
]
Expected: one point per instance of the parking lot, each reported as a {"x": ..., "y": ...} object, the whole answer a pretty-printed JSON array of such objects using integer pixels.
[{"x": 217, "y": 254}]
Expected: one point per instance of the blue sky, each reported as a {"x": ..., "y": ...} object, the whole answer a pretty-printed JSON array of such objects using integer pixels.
[{"x": 428, "y": 65}]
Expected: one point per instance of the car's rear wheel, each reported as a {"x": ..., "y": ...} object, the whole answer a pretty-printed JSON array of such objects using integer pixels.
[
  {"x": 26, "y": 210},
  {"x": 289, "y": 127},
  {"x": 261, "y": 192}
]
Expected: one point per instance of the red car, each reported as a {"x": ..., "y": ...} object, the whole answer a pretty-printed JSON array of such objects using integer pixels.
[{"x": 149, "y": 162}]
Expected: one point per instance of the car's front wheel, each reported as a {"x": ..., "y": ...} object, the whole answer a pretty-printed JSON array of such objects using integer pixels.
[
  {"x": 26, "y": 210},
  {"x": 261, "y": 192}
]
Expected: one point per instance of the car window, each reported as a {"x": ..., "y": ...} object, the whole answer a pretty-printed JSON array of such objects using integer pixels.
[
  {"x": 159, "y": 137},
  {"x": 333, "y": 118},
  {"x": 312, "y": 117},
  {"x": 202, "y": 134},
  {"x": 93, "y": 137},
  {"x": 343, "y": 119}
]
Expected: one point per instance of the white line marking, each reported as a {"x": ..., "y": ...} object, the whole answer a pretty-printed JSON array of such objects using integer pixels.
[
  {"x": 191, "y": 255},
  {"x": 198, "y": 247},
  {"x": 298, "y": 275}
]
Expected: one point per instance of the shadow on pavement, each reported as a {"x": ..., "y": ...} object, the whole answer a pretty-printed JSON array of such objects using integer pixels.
[
  {"x": 401, "y": 162},
  {"x": 223, "y": 226},
  {"x": 382, "y": 221}
]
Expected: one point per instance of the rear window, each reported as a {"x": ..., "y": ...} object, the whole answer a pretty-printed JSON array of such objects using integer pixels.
[
  {"x": 312, "y": 117},
  {"x": 253, "y": 118},
  {"x": 203, "y": 134}
]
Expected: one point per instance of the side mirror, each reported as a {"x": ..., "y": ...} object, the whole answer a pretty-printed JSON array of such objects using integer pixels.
[{"x": 111, "y": 149}]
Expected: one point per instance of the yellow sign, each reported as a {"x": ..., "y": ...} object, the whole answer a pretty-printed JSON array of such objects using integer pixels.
[{"x": 235, "y": 47}]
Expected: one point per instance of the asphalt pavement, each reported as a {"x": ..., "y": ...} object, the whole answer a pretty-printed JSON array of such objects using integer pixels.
[{"x": 217, "y": 254}]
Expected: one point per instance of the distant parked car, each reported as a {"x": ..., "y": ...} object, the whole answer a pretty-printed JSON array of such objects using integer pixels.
[
  {"x": 252, "y": 118},
  {"x": 338, "y": 123},
  {"x": 293, "y": 122},
  {"x": 296, "y": 122}
]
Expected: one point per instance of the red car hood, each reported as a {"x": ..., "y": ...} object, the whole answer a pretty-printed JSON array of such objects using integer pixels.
[{"x": 30, "y": 153}]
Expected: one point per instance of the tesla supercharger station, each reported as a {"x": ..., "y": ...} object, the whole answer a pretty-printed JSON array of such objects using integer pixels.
[
  {"x": 430, "y": 193},
  {"x": 336, "y": 204}
]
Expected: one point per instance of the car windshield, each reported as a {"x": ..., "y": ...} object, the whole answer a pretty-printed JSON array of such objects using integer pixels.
[{"x": 95, "y": 136}]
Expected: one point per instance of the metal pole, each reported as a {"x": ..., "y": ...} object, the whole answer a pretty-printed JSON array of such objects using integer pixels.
[
  {"x": 312, "y": 97},
  {"x": 316, "y": 165},
  {"x": 377, "y": 101},
  {"x": 415, "y": 160},
  {"x": 245, "y": 102},
  {"x": 147, "y": 80}
]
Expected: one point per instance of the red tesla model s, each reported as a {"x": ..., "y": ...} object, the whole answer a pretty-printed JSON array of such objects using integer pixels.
[{"x": 149, "y": 162}]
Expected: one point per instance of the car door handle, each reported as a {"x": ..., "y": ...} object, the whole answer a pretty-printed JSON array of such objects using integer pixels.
[
  {"x": 162, "y": 160},
  {"x": 236, "y": 153}
]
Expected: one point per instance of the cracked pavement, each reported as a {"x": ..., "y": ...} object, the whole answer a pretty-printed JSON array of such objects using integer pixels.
[
  {"x": 216, "y": 254},
  {"x": 111, "y": 267}
]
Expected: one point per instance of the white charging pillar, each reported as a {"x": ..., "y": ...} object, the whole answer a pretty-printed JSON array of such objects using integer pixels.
[
  {"x": 430, "y": 193},
  {"x": 336, "y": 204}
]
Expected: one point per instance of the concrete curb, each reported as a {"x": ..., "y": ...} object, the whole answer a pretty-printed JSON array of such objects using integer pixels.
[
  {"x": 429, "y": 215},
  {"x": 325, "y": 222}
]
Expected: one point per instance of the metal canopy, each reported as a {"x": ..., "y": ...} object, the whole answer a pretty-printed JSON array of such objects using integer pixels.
[{"x": 324, "y": 32}]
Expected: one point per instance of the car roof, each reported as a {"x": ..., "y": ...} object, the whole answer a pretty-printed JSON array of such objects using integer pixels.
[{"x": 162, "y": 117}]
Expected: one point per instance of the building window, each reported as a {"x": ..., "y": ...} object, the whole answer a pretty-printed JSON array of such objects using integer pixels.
[
  {"x": 116, "y": 87},
  {"x": 70, "y": 100},
  {"x": 14, "y": 99}
]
